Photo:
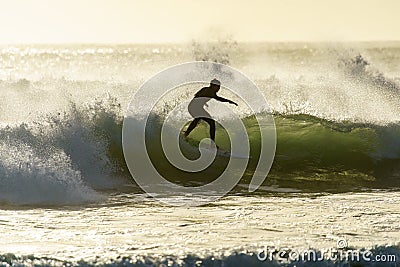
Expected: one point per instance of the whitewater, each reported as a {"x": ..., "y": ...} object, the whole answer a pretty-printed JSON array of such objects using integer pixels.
[{"x": 67, "y": 197}]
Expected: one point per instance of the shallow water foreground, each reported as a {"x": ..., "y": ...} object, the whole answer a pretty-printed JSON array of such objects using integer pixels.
[{"x": 133, "y": 228}]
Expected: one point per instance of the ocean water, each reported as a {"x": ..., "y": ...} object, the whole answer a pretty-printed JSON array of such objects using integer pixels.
[{"x": 67, "y": 198}]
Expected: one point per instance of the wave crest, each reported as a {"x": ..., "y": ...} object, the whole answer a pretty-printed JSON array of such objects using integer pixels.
[
  {"x": 63, "y": 158},
  {"x": 71, "y": 156}
]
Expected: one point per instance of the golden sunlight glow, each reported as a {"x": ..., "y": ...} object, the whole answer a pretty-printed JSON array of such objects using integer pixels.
[{"x": 132, "y": 21}]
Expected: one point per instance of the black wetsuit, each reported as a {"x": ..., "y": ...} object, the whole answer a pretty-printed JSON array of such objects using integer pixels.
[{"x": 196, "y": 109}]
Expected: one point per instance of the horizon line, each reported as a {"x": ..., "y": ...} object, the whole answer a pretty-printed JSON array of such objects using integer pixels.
[{"x": 191, "y": 41}]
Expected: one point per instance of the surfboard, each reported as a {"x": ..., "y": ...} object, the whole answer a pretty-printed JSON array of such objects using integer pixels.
[
  {"x": 224, "y": 153},
  {"x": 220, "y": 151}
]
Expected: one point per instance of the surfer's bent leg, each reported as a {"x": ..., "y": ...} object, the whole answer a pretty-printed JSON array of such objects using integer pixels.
[
  {"x": 192, "y": 125},
  {"x": 211, "y": 122}
]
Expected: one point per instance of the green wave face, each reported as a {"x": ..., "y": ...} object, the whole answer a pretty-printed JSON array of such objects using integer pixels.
[{"x": 312, "y": 155}]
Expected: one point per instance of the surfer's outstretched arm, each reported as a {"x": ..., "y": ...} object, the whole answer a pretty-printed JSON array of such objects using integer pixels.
[{"x": 224, "y": 100}]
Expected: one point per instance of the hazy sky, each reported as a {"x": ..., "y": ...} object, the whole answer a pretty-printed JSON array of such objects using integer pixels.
[{"x": 129, "y": 21}]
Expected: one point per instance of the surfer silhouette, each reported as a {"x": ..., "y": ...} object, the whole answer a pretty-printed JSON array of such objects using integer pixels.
[{"x": 196, "y": 107}]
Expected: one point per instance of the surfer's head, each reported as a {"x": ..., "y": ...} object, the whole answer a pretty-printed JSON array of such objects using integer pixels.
[{"x": 215, "y": 84}]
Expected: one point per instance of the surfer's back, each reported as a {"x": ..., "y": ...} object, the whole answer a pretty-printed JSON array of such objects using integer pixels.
[{"x": 206, "y": 92}]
